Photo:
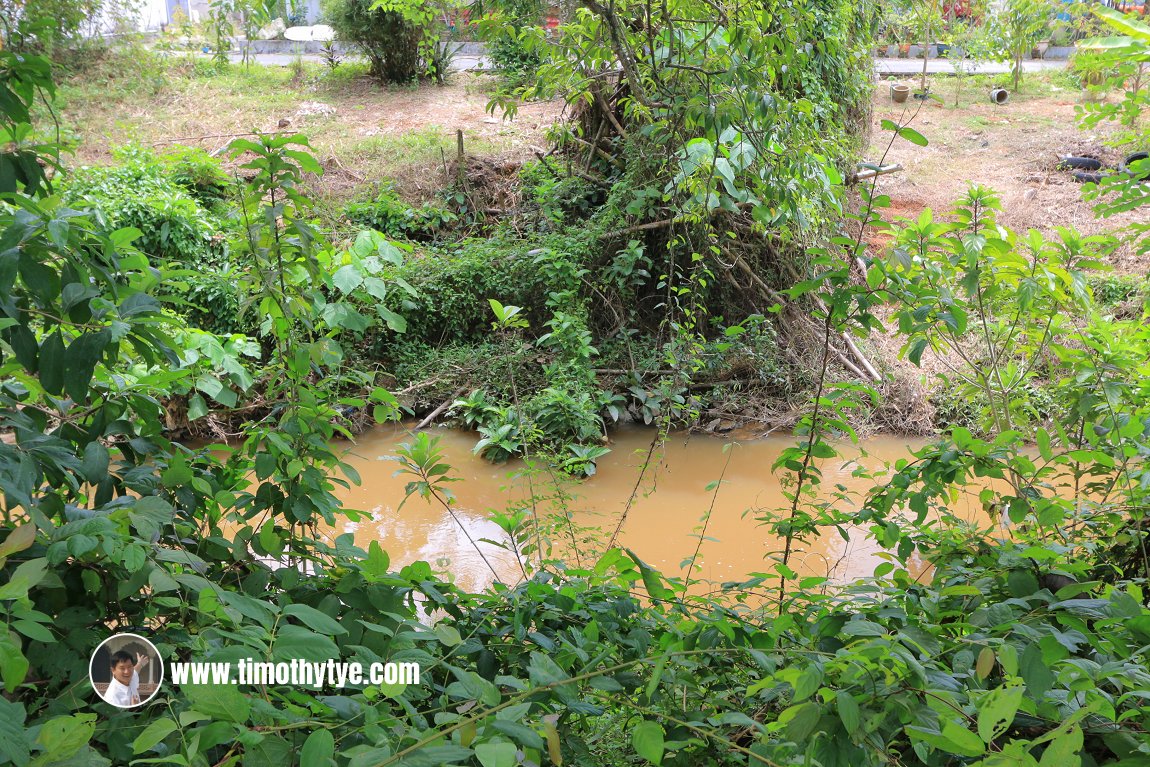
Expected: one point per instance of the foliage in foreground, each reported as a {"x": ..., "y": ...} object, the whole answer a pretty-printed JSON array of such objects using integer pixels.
[
  {"x": 1129, "y": 54},
  {"x": 1028, "y": 649}
]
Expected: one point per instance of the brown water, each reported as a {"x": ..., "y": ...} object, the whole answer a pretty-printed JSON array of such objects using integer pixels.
[{"x": 661, "y": 526}]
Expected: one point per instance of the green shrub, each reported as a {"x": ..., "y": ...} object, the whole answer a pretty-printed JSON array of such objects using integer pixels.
[
  {"x": 390, "y": 41},
  {"x": 1114, "y": 289},
  {"x": 175, "y": 227},
  {"x": 515, "y": 61},
  {"x": 453, "y": 287},
  {"x": 213, "y": 302},
  {"x": 565, "y": 415},
  {"x": 198, "y": 173},
  {"x": 390, "y": 215}
]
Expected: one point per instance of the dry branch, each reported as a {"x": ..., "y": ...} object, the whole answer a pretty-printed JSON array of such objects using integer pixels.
[{"x": 436, "y": 413}]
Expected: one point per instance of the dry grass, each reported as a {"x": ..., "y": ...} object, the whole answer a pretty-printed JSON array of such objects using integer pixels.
[
  {"x": 1012, "y": 149},
  {"x": 364, "y": 134}
]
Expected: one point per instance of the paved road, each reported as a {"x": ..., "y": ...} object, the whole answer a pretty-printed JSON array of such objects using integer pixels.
[
  {"x": 461, "y": 63},
  {"x": 884, "y": 67},
  {"x": 903, "y": 67}
]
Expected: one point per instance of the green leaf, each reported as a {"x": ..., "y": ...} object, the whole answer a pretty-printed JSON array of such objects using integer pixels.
[
  {"x": 496, "y": 754},
  {"x": 1042, "y": 437},
  {"x": 95, "y": 463},
  {"x": 652, "y": 579},
  {"x": 848, "y": 711},
  {"x": 801, "y": 720},
  {"x": 808, "y": 683},
  {"x": 377, "y": 561},
  {"x": 34, "y": 630},
  {"x": 996, "y": 711},
  {"x": 1119, "y": 21},
  {"x": 13, "y": 664},
  {"x": 313, "y": 618},
  {"x": 297, "y": 642},
  {"x": 542, "y": 670},
  {"x": 83, "y": 354},
  {"x": 396, "y": 322},
  {"x": 270, "y": 751},
  {"x": 647, "y": 739},
  {"x": 218, "y": 701},
  {"x": 153, "y": 734},
  {"x": 63, "y": 736},
  {"x": 52, "y": 357},
  {"x": 23, "y": 578},
  {"x": 13, "y": 734},
  {"x": 1063, "y": 750},
  {"x": 318, "y": 750},
  {"x": 954, "y": 739},
  {"x": 913, "y": 136},
  {"x": 448, "y": 635},
  {"x": 1035, "y": 672},
  {"x": 24, "y": 345},
  {"x": 917, "y": 347},
  {"x": 347, "y": 278}
]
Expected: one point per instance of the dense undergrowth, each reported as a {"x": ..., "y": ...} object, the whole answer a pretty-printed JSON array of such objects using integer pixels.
[{"x": 1024, "y": 642}]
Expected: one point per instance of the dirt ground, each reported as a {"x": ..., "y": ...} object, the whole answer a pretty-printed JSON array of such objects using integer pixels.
[
  {"x": 362, "y": 133},
  {"x": 366, "y": 134},
  {"x": 1013, "y": 149}
]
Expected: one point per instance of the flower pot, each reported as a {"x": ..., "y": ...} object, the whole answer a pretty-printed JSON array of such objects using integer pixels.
[
  {"x": 943, "y": 50},
  {"x": 904, "y": 50},
  {"x": 899, "y": 93},
  {"x": 892, "y": 51},
  {"x": 999, "y": 96},
  {"x": 932, "y": 51},
  {"x": 915, "y": 52}
]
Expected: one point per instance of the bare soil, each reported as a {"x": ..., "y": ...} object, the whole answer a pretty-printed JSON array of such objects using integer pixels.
[
  {"x": 1013, "y": 149},
  {"x": 363, "y": 133}
]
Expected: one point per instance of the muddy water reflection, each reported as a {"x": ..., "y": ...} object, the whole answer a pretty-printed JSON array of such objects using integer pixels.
[{"x": 671, "y": 501}]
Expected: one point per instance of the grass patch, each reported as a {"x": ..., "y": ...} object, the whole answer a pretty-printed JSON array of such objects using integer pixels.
[{"x": 365, "y": 135}]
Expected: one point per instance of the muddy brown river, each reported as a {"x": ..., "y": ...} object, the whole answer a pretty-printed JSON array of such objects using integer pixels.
[{"x": 662, "y": 524}]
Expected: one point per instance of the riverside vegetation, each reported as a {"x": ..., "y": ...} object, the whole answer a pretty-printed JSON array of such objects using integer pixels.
[{"x": 163, "y": 292}]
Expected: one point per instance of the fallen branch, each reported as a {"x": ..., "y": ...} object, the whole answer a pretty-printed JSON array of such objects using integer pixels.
[
  {"x": 597, "y": 150},
  {"x": 346, "y": 172},
  {"x": 221, "y": 135},
  {"x": 779, "y": 298},
  {"x": 439, "y": 410},
  {"x": 638, "y": 228},
  {"x": 866, "y": 173}
]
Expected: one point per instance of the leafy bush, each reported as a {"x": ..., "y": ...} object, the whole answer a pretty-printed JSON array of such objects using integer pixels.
[
  {"x": 174, "y": 226},
  {"x": 200, "y": 174},
  {"x": 502, "y": 437},
  {"x": 389, "y": 214},
  {"x": 474, "y": 410},
  {"x": 1114, "y": 289},
  {"x": 453, "y": 286},
  {"x": 390, "y": 39},
  {"x": 565, "y": 416},
  {"x": 515, "y": 58},
  {"x": 1127, "y": 55}
]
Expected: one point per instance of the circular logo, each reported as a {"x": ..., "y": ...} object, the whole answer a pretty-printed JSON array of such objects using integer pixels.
[{"x": 126, "y": 670}]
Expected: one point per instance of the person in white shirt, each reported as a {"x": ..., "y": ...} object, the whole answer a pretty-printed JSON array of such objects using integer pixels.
[{"x": 124, "y": 689}]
